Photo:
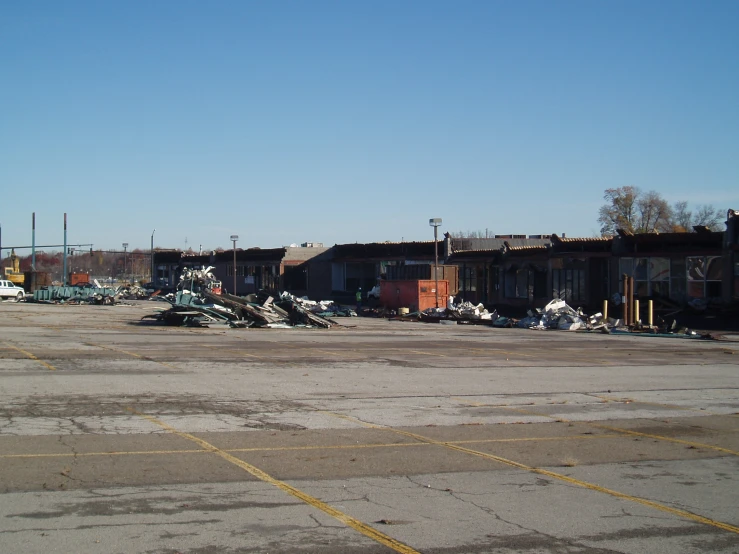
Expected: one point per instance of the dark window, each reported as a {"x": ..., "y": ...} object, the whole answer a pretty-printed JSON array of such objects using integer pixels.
[
  {"x": 295, "y": 278},
  {"x": 569, "y": 285}
]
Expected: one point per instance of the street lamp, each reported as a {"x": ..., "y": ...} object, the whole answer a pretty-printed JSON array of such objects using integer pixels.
[
  {"x": 435, "y": 222},
  {"x": 125, "y": 246},
  {"x": 152, "y": 257},
  {"x": 234, "y": 238}
]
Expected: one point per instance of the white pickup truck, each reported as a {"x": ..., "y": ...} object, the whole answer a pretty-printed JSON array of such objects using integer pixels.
[{"x": 8, "y": 289}]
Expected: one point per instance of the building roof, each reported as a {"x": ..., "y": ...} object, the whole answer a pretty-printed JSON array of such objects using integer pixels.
[
  {"x": 388, "y": 250},
  {"x": 463, "y": 255},
  {"x": 581, "y": 244},
  {"x": 274, "y": 255},
  {"x": 497, "y": 242}
]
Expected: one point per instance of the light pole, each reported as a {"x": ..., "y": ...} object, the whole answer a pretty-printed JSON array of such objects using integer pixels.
[
  {"x": 435, "y": 222},
  {"x": 125, "y": 247},
  {"x": 152, "y": 257},
  {"x": 234, "y": 238}
]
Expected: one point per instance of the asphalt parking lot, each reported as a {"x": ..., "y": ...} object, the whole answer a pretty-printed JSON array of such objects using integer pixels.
[{"x": 377, "y": 436}]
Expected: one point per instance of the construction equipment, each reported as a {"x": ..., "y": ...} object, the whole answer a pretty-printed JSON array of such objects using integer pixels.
[{"x": 13, "y": 273}]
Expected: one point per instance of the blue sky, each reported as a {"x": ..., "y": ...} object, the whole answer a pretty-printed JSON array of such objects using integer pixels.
[{"x": 339, "y": 122}]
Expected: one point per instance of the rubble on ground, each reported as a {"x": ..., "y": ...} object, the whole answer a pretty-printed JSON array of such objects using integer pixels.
[
  {"x": 199, "y": 302},
  {"x": 86, "y": 294},
  {"x": 461, "y": 312},
  {"x": 556, "y": 315},
  {"x": 324, "y": 308}
]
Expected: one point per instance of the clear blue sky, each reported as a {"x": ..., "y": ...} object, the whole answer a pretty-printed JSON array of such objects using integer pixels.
[{"x": 350, "y": 121}]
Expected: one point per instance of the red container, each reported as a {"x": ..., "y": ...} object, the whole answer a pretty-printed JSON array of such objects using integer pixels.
[
  {"x": 79, "y": 279},
  {"x": 414, "y": 295}
]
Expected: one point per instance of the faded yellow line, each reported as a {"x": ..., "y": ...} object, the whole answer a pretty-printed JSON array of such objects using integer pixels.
[
  {"x": 24, "y": 352},
  {"x": 661, "y": 405},
  {"x": 660, "y": 437},
  {"x": 506, "y": 352},
  {"x": 538, "y": 439},
  {"x": 425, "y": 353},
  {"x": 584, "y": 484},
  {"x": 658, "y": 404},
  {"x": 97, "y": 454},
  {"x": 334, "y": 353},
  {"x": 133, "y": 354},
  {"x": 626, "y": 431},
  {"x": 302, "y": 448},
  {"x": 239, "y": 352},
  {"x": 355, "y": 524}
]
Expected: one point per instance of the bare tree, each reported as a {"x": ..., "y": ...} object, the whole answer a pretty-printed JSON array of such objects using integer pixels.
[
  {"x": 619, "y": 211},
  {"x": 704, "y": 215},
  {"x": 471, "y": 234},
  {"x": 654, "y": 214},
  {"x": 634, "y": 211},
  {"x": 682, "y": 217},
  {"x": 710, "y": 217}
]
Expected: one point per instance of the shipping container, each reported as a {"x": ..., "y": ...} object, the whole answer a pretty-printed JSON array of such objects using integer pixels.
[
  {"x": 416, "y": 295},
  {"x": 79, "y": 279},
  {"x": 420, "y": 272}
]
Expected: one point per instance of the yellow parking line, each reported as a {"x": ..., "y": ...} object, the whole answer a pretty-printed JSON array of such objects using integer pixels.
[
  {"x": 584, "y": 484},
  {"x": 626, "y": 431},
  {"x": 355, "y": 524},
  {"x": 301, "y": 448},
  {"x": 660, "y": 437},
  {"x": 661, "y": 405},
  {"x": 658, "y": 404},
  {"x": 95, "y": 454},
  {"x": 48, "y": 366},
  {"x": 425, "y": 353},
  {"x": 333, "y": 353},
  {"x": 239, "y": 352},
  {"x": 506, "y": 352},
  {"x": 133, "y": 354}
]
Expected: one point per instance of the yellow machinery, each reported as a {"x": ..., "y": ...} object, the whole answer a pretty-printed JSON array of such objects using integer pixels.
[{"x": 13, "y": 273}]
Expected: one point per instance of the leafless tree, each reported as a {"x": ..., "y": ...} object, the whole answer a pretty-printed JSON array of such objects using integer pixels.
[
  {"x": 710, "y": 217},
  {"x": 619, "y": 211},
  {"x": 471, "y": 234},
  {"x": 634, "y": 211}
]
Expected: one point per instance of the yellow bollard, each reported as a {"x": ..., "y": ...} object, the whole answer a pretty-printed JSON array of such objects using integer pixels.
[
  {"x": 650, "y": 312},
  {"x": 636, "y": 312},
  {"x": 605, "y": 310}
]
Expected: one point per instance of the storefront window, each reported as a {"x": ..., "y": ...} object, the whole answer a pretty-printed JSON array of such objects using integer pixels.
[
  {"x": 651, "y": 275},
  {"x": 704, "y": 276}
]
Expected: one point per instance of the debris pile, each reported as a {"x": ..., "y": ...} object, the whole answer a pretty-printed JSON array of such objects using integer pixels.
[
  {"x": 324, "y": 308},
  {"x": 555, "y": 315},
  {"x": 199, "y": 302},
  {"x": 462, "y": 312},
  {"x": 87, "y": 294}
]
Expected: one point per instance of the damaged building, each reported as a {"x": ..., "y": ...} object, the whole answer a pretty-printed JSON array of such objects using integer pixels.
[
  {"x": 301, "y": 270},
  {"x": 515, "y": 271}
]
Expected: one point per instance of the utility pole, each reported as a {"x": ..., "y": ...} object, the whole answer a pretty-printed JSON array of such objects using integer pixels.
[
  {"x": 152, "y": 257},
  {"x": 435, "y": 222},
  {"x": 125, "y": 246},
  {"x": 234, "y": 238},
  {"x": 64, "y": 268}
]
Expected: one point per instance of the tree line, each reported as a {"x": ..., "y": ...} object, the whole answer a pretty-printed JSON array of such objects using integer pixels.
[
  {"x": 634, "y": 211},
  {"x": 136, "y": 264}
]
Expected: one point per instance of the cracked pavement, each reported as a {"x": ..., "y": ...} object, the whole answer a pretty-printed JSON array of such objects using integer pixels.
[{"x": 380, "y": 436}]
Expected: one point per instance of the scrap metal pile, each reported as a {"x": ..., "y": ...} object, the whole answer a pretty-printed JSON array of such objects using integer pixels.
[
  {"x": 199, "y": 302},
  {"x": 461, "y": 312},
  {"x": 324, "y": 308},
  {"x": 87, "y": 294},
  {"x": 555, "y": 315},
  {"x": 558, "y": 315}
]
